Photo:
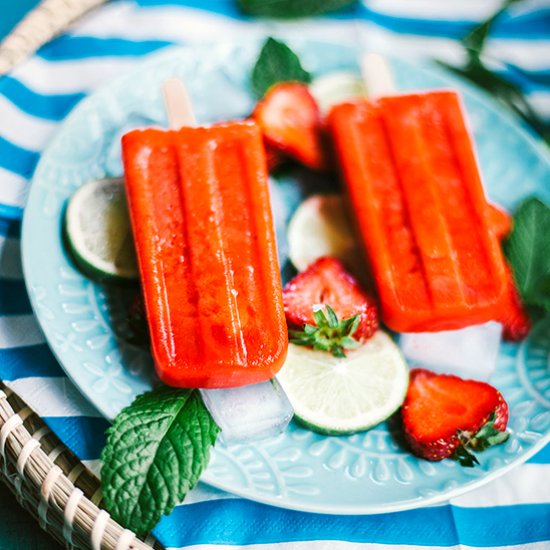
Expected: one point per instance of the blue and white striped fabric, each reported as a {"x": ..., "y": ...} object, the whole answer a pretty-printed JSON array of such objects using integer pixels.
[{"x": 511, "y": 512}]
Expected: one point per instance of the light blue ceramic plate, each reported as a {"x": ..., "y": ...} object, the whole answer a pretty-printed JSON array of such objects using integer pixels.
[{"x": 364, "y": 473}]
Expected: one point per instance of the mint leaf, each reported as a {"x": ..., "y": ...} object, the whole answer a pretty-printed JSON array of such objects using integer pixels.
[
  {"x": 528, "y": 252},
  {"x": 505, "y": 91},
  {"x": 289, "y": 9},
  {"x": 476, "y": 39},
  {"x": 541, "y": 292},
  {"x": 276, "y": 63},
  {"x": 156, "y": 450}
]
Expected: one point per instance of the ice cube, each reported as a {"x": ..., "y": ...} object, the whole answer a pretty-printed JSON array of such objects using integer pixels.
[
  {"x": 249, "y": 413},
  {"x": 470, "y": 352}
]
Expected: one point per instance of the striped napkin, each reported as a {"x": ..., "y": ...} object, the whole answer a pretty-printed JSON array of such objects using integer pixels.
[{"x": 510, "y": 512}]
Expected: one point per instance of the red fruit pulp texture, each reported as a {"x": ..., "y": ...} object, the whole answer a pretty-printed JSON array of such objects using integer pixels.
[
  {"x": 439, "y": 406},
  {"x": 435, "y": 262},
  {"x": 199, "y": 204},
  {"x": 273, "y": 156},
  {"x": 324, "y": 282},
  {"x": 291, "y": 123},
  {"x": 500, "y": 221},
  {"x": 516, "y": 323}
]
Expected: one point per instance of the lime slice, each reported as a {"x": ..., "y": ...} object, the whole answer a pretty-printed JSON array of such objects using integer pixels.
[
  {"x": 98, "y": 232},
  {"x": 333, "y": 88},
  {"x": 321, "y": 227},
  {"x": 342, "y": 396}
]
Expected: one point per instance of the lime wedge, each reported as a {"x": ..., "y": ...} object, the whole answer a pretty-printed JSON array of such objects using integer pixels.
[
  {"x": 321, "y": 227},
  {"x": 342, "y": 396},
  {"x": 332, "y": 88},
  {"x": 98, "y": 233}
]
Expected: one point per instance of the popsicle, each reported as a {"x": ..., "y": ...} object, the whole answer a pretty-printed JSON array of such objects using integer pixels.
[
  {"x": 200, "y": 212},
  {"x": 413, "y": 183}
]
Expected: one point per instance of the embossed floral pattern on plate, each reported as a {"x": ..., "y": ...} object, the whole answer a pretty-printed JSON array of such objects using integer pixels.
[{"x": 84, "y": 324}]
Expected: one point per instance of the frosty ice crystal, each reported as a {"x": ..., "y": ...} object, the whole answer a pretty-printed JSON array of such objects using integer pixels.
[
  {"x": 470, "y": 352},
  {"x": 249, "y": 413}
]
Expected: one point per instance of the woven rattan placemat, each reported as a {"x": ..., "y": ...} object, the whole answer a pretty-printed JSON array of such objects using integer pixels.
[{"x": 53, "y": 485}]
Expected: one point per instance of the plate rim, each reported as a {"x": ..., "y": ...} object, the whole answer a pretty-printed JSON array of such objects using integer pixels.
[
  {"x": 440, "y": 498},
  {"x": 172, "y": 51}
]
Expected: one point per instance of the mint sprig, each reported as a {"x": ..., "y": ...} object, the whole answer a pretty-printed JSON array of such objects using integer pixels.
[
  {"x": 476, "y": 70},
  {"x": 528, "y": 252},
  {"x": 289, "y": 9},
  {"x": 329, "y": 333},
  {"x": 276, "y": 63},
  {"x": 156, "y": 451}
]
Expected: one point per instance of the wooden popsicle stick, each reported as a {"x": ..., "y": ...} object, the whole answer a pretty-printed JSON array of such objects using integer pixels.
[
  {"x": 376, "y": 75},
  {"x": 180, "y": 113},
  {"x": 178, "y": 104}
]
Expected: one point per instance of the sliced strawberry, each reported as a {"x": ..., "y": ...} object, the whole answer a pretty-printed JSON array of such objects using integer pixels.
[
  {"x": 326, "y": 282},
  {"x": 273, "y": 156},
  {"x": 291, "y": 122},
  {"x": 446, "y": 416},
  {"x": 516, "y": 324}
]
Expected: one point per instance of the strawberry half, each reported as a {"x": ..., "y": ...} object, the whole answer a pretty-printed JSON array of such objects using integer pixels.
[
  {"x": 500, "y": 221},
  {"x": 291, "y": 122},
  {"x": 326, "y": 282},
  {"x": 516, "y": 323},
  {"x": 273, "y": 156},
  {"x": 445, "y": 416}
]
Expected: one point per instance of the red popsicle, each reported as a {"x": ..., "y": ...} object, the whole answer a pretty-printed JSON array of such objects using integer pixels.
[
  {"x": 201, "y": 217},
  {"x": 412, "y": 178}
]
